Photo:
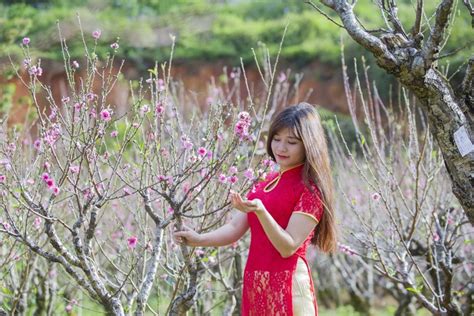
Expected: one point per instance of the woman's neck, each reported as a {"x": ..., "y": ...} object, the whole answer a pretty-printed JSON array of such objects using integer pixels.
[{"x": 283, "y": 170}]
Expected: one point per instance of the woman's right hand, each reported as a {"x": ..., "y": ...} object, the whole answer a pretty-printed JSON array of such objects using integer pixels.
[{"x": 188, "y": 237}]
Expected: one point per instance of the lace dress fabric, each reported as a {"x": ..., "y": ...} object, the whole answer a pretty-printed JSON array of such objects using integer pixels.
[{"x": 268, "y": 277}]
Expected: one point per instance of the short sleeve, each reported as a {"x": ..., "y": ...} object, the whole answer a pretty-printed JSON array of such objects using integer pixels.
[{"x": 310, "y": 203}]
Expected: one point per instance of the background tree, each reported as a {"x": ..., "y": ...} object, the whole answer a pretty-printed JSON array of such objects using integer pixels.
[{"x": 412, "y": 55}]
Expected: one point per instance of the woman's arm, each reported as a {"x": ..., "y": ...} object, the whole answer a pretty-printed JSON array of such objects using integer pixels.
[
  {"x": 224, "y": 235},
  {"x": 286, "y": 241}
]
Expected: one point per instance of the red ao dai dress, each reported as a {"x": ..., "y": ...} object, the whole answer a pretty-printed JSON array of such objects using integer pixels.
[{"x": 269, "y": 278}]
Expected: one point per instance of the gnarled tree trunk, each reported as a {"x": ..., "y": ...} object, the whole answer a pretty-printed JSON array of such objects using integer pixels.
[{"x": 413, "y": 61}]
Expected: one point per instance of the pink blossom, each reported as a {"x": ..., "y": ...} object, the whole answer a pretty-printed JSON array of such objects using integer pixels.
[
  {"x": 127, "y": 191},
  {"x": 37, "y": 144},
  {"x": 53, "y": 114},
  {"x": 78, "y": 106},
  {"x": 12, "y": 147},
  {"x": 244, "y": 117},
  {"x": 249, "y": 174},
  {"x": 6, "y": 225},
  {"x": 241, "y": 129},
  {"x": 161, "y": 84},
  {"x": 91, "y": 96},
  {"x": 233, "y": 179},
  {"x": 159, "y": 109},
  {"x": 435, "y": 237},
  {"x": 30, "y": 181},
  {"x": 74, "y": 169},
  {"x": 35, "y": 71},
  {"x": 45, "y": 176},
  {"x": 113, "y": 134},
  {"x": 65, "y": 99},
  {"x": 233, "y": 170},
  {"x": 68, "y": 308},
  {"x": 37, "y": 223},
  {"x": 50, "y": 183},
  {"x": 135, "y": 125},
  {"x": 96, "y": 34},
  {"x": 186, "y": 187},
  {"x": 144, "y": 109},
  {"x": 132, "y": 242},
  {"x": 202, "y": 151},
  {"x": 346, "y": 249},
  {"x": 2, "y": 178},
  {"x": 375, "y": 196},
  {"x": 149, "y": 246},
  {"x": 222, "y": 178},
  {"x": 75, "y": 64},
  {"x": 114, "y": 45},
  {"x": 105, "y": 115},
  {"x": 281, "y": 77},
  {"x": 26, "y": 40},
  {"x": 46, "y": 166},
  {"x": 56, "y": 190},
  {"x": 149, "y": 80}
]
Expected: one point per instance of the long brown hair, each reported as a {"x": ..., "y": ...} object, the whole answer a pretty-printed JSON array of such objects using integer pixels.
[{"x": 304, "y": 121}]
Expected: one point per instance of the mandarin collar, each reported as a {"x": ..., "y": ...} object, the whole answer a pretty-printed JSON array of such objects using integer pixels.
[{"x": 291, "y": 170}]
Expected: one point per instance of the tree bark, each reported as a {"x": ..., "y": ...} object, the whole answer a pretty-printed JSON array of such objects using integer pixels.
[{"x": 414, "y": 63}]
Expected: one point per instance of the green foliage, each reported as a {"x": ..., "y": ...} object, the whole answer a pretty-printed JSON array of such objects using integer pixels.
[{"x": 205, "y": 29}]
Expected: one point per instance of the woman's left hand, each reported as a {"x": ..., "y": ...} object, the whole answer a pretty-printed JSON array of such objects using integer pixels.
[{"x": 246, "y": 206}]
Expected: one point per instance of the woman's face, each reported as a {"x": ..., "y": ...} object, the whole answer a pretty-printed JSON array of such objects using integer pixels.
[{"x": 287, "y": 149}]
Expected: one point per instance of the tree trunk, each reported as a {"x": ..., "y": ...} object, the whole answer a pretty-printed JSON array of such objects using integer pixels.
[{"x": 413, "y": 62}]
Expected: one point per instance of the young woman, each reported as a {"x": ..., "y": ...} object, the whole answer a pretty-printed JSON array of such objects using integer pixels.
[{"x": 286, "y": 212}]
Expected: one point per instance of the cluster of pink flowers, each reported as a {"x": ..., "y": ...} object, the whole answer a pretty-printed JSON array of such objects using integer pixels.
[
  {"x": 242, "y": 126},
  {"x": 52, "y": 134},
  {"x": 186, "y": 142},
  {"x": 70, "y": 306},
  {"x": 74, "y": 169},
  {"x": 36, "y": 71},
  {"x": 268, "y": 163},
  {"x": 2, "y": 178},
  {"x": 26, "y": 40},
  {"x": 249, "y": 174},
  {"x": 50, "y": 183},
  {"x": 114, "y": 46},
  {"x": 168, "y": 179},
  {"x": 346, "y": 249},
  {"x": 75, "y": 64},
  {"x": 227, "y": 179}
]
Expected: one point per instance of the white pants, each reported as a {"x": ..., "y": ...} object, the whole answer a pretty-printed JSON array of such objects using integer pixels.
[{"x": 303, "y": 304}]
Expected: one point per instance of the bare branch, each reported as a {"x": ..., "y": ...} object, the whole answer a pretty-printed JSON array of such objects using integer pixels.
[
  {"x": 432, "y": 46},
  {"x": 311, "y": 3},
  {"x": 365, "y": 39},
  {"x": 469, "y": 77},
  {"x": 419, "y": 12},
  {"x": 470, "y": 7}
]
